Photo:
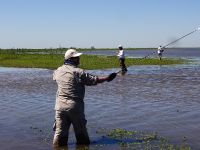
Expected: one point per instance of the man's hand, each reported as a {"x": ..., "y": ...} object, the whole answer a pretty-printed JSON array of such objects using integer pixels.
[{"x": 111, "y": 76}]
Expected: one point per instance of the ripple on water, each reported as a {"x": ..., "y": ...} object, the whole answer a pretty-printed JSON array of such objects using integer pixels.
[{"x": 164, "y": 99}]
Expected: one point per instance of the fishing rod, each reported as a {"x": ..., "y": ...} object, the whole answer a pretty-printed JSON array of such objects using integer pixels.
[
  {"x": 174, "y": 41},
  {"x": 119, "y": 71},
  {"x": 182, "y": 37}
]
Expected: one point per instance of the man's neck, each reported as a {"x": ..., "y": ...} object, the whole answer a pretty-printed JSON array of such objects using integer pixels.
[{"x": 69, "y": 62}]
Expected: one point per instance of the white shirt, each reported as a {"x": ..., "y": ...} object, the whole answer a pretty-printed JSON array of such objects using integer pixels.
[
  {"x": 160, "y": 50},
  {"x": 121, "y": 54}
]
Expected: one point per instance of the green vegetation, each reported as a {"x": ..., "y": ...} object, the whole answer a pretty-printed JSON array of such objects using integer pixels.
[
  {"x": 52, "y": 58},
  {"x": 31, "y": 60},
  {"x": 139, "y": 140},
  {"x": 100, "y": 62}
]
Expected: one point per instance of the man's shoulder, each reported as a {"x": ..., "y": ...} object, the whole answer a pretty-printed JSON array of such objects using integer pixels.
[
  {"x": 61, "y": 67},
  {"x": 73, "y": 68}
]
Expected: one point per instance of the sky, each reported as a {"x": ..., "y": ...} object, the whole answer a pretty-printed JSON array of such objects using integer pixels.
[{"x": 98, "y": 23}]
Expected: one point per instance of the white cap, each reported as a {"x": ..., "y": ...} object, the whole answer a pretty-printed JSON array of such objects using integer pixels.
[
  {"x": 71, "y": 53},
  {"x": 119, "y": 45}
]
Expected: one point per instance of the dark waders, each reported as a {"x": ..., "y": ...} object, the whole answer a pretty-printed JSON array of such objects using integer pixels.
[{"x": 122, "y": 64}]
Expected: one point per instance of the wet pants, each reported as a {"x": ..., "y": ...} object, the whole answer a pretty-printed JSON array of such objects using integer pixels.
[
  {"x": 122, "y": 64},
  {"x": 160, "y": 56},
  {"x": 63, "y": 121}
]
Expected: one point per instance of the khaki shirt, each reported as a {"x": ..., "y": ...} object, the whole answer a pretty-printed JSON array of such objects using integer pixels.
[{"x": 71, "y": 83}]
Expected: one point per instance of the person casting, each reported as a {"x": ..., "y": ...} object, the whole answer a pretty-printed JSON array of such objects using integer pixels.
[
  {"x": 69, "y": 105},
  {"x": 121, "y": 56}
]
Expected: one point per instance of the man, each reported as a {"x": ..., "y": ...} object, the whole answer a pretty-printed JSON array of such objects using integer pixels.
[
  {"x": 121, "y": 56},
  {"x": 160, "y": 51},
  {"x": 69, "y": 106}
]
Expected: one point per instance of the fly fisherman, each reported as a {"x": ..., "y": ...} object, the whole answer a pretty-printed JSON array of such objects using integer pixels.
[
  {"x": 121, "y": 56},
  {"x": 69, "y": 105},
  {"x": 160, "y": 51}
]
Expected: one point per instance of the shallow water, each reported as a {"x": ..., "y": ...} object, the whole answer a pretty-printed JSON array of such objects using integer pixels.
[
  {"x": 170, "y": 52},
  {"x": 162, "y": 99}
]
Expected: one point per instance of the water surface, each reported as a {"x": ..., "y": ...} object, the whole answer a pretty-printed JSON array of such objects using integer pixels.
[
  {"x": 169, "y": 52},
  {"x": 162, "y": 99}
]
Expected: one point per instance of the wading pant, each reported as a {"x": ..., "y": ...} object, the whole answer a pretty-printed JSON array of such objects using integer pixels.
[
  {"x": 122, "y": 64},
  {"x": 160, "y": 56},
  {"x": 63, "y": 121}
]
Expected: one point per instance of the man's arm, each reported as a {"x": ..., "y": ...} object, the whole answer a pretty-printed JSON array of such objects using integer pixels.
[
  {"x": 102, "y": 79},
  {"x": 108, "y": 78}
]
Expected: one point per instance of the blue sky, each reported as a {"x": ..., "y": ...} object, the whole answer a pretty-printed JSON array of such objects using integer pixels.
[{"x": 98, "y": 23}]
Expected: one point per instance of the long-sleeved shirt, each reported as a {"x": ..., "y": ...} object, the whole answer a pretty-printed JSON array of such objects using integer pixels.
[
  {"x": 71, "y": 83},
  {"x": 121, "y": 54}
]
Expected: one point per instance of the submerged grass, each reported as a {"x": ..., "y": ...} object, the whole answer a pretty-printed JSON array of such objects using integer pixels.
[
  {"x": 53, "y": 59},
  {"x": 140, "y": 140}
]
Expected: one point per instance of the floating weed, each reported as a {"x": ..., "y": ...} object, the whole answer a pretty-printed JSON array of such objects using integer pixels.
[
  {"x": 138, "y": 140},
  {"x": 120, "y": 134}
]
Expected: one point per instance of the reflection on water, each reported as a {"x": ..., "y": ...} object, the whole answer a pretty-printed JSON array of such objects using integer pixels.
[{"x": 162, "y": 99}]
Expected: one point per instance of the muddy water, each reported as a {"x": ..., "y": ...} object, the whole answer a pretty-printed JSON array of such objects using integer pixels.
[{"x": 162, "y": 99}]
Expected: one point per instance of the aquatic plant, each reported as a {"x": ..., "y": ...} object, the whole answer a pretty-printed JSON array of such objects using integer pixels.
[{"x": 140, "y": 140}]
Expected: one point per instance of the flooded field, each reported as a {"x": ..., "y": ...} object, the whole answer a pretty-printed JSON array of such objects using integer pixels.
[{"x": 162, "y": 99}]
